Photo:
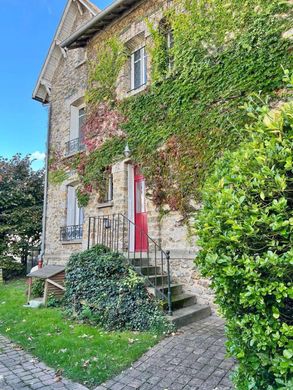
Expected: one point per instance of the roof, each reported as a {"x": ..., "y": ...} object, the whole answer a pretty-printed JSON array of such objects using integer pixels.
[
  {"x": 64, "y": 29},
  {"x": 47, "y": 272},
  {"x": 81, "y": 37}
]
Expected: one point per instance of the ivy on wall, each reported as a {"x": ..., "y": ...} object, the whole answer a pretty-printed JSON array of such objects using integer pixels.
[{"x": 223, "y": 52}]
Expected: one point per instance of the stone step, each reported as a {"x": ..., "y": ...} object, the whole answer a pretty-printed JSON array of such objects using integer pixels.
[
  {"x": 143, "y": 262},
  {"x": 190, "y": 314},
  {"x": 181, "y": 300},
  {"x": 157, "y": 280},
  {"x": 149, "y": 270},
  {"x": 176, "y": 289}
]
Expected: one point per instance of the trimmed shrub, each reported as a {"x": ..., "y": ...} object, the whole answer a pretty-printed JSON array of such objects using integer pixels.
[
  {"x": 103, "y": 289},
  {"x": 11, "y": 268},
  {"x": 245, "y": 230}
]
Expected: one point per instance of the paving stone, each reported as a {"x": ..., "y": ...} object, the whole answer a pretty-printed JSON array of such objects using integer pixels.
[
  {"x": 21, "y": 371},
  {"x": 194, "y": 359}
]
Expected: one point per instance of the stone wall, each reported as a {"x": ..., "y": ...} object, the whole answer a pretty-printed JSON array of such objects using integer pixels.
[{"x": 69, "y": 85}]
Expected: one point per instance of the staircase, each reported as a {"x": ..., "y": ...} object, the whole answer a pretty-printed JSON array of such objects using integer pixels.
[
  {"x": 154, "y": 265},
  {"x": 185, "y": 308}
]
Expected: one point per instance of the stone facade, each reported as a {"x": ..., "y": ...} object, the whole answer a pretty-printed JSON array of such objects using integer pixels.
[{"x": 69, "y": 86}]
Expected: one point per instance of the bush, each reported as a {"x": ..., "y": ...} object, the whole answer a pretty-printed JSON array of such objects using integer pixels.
[
  {"x": 38, "y": 287},
  {"x": 103, "y": 289},
  {"x": 11, "y": 268},
  {"x": 245, "y": 230}
]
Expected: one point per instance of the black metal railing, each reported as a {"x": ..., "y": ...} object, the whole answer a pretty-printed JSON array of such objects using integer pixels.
[
  {"x": 119, "y": 234},
  {"x": 74, "y": 146},
  {"x": 71, "y": 233}
]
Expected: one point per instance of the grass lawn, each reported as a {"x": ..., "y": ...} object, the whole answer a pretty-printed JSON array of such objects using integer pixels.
[{"x": 86, "y": 354}]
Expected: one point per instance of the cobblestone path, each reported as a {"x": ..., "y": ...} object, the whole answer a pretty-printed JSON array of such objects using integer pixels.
[
  {"x": 193, "y": 360},
  {"x": 20, "y": 371}
]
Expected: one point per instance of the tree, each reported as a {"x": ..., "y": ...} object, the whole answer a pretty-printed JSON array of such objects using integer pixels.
[{"x": 21, "y": 203}]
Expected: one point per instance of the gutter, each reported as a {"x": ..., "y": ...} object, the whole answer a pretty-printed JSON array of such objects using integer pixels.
[
  {"x": 44, "y": 219},
  {"x": 103, "y": 18}
]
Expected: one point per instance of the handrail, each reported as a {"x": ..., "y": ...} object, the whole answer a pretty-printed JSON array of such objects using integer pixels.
[{"x": 114, "y": 231}]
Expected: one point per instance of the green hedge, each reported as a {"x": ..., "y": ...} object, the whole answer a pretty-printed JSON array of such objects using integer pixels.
[
  {"x": 245, "y": 230},
  {"x": 11, "y": 268},
  {"x": 103, "y": 289}
]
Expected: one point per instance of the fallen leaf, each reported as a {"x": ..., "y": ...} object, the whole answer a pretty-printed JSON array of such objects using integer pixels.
[{"x": 86, "y": 363}]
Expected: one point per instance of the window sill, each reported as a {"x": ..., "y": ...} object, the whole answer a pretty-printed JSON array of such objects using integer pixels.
[
  {"x": 105, "y": 205},
  {"x": 73, "y": 154},
  {"x": 136, "y": 91},
  {"x": 80, "y": 63},
  {"x": 73, "y": 242}
]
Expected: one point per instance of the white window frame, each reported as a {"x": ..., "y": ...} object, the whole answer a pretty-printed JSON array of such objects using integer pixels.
[
  {"x": 74, "y": 213},
  {"x": 170, "y": 44},
  {"x": 143, "y": 68},
  {"x": 74, "y": 121},
  {"x": 110, "y": 188}
]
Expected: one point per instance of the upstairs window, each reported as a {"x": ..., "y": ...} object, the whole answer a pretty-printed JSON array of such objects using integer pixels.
[
  {"x": 166, "y": 32},
  {"x": 138, "y": 68},
  {"x": 170, "y": 45},
  {"x": 77, "y": 120},
  {"x": 81, "y": 119}
]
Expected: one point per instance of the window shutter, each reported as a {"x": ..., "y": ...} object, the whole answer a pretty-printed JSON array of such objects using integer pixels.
[
  {"x": 71, "y": 199},
  {"x": 74, "y": 122}
]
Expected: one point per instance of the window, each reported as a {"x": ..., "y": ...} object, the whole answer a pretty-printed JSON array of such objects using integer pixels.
[
  {"x": 109, "y": 188},
  {"x": 81, "y": 119},
  {"x": 106, "y": 194},
  {"x": 77, "y": 120},
  {"x": 138, "y": 68},
  {"x": 170, "y": 45},
  {"x": 74, "y": 212},
  {"x": 74, "y": 218}
]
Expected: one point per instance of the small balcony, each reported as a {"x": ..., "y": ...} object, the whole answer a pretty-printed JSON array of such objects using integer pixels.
[
  {"x": 74, "y": 146},
  {"x": 71, "y": 233}
]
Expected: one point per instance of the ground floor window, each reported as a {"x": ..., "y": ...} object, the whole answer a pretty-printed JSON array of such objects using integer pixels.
[{"x": 74, "y": 217}]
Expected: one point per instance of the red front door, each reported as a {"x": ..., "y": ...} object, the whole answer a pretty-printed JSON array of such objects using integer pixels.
[{"x": 140, "y": 212}]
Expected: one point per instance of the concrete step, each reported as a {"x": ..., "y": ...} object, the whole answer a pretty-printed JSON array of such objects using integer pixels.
[
  {"x": 143, "y": 262},
  {"x": 157, "y": 280},
  {"x": 149, "y": 270},
  {"x": 189, "y": 314},
  {"x": 176, "y": 289},
  {"x": 181, "y": 300}
]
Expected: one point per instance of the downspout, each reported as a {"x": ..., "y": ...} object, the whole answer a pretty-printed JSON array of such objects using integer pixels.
[{"x": 44, "y": 219}]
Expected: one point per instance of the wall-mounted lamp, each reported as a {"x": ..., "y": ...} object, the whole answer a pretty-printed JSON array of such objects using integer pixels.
[
  {"x": 127, "y": 152},
  {"x": 107, "y": 223}
]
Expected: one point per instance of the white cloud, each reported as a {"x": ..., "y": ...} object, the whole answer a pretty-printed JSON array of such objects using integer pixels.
[{"x": 38, "y": 156}]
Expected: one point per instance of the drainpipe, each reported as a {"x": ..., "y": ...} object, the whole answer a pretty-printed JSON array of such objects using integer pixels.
[{"x": 43, "y": 242}]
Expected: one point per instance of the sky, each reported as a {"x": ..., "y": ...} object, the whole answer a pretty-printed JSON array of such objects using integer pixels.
[{"x": 27, "y": 28}]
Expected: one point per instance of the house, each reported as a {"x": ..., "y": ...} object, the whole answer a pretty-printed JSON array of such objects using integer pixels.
[{"x": 61, "y": 85}]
